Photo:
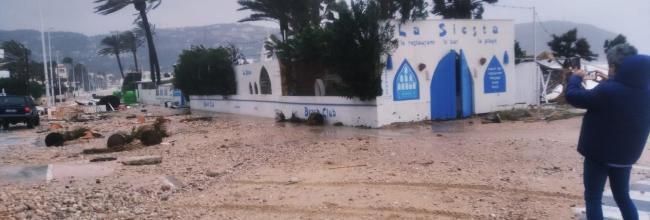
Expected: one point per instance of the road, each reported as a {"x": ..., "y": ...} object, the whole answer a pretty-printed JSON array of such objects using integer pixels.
[{"x": 234, "y": 167}]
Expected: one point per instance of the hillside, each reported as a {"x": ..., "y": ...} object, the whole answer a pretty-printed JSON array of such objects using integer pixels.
[
  {"x": 169, "y": 42},
  {"x": 595, "y": 36}
]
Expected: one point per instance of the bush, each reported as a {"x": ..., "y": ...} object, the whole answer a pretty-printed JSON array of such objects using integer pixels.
[
  {"x": 359, "y": 41},
  {"x": 14, "y": 86},
  {"x": 205, "y": 71},
  {"x": 350, "y": 46}
]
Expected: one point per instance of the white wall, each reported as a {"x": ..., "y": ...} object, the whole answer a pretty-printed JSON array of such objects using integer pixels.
[
  {"x": 528, "y": 91},
  {"x": 335, "y": 109},
  {"x": 427, "y": 48},
  {"x": 436, "y": 38}
]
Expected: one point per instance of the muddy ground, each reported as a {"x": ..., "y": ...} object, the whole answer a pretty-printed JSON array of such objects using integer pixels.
[{"x": 236, "y": 167}]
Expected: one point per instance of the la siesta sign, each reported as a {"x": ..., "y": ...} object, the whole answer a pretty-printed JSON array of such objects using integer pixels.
[{"x": 445, "y": 30}]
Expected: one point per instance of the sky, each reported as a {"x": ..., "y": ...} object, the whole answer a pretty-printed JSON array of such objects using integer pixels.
[{"x": 632, "y": 18}]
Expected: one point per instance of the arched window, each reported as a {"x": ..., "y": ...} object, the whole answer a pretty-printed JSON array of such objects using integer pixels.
[
  {"x": 265, "y": 82},
  {"x": 256, "y": 91},
  {"x": 405, "y": 84},
  {"x": 250, "y": 88}
]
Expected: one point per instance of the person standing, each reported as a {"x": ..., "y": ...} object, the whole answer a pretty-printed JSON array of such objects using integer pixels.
[{"x": 614, "y": 130}]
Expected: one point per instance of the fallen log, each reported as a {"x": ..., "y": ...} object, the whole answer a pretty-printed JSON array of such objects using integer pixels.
[{"x": 54, "y": 139}]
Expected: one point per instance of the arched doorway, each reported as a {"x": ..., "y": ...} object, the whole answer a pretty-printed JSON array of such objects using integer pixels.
[
  {"x": 265, "y": 82},
  {"x": 452, "y": 90}
]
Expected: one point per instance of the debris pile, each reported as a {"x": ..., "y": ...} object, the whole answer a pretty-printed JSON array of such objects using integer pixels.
[{"x": 532, "y": 114}]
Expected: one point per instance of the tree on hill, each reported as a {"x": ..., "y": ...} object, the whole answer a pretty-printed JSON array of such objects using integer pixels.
[
  {"x": 568, "y": 45},
  {"x": 460, "y": 9}
]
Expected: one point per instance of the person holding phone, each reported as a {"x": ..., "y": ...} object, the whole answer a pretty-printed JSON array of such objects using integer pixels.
[
  {"x": 614, "y": 57},
  {"x": 614, "y": 129}
]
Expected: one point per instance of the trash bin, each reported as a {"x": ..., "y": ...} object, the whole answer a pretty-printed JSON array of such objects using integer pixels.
[{"x": 130, "y": 98}]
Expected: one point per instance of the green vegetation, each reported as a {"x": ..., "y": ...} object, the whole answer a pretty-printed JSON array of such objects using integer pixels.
[
  {"x": 205, "y": 71},
  {"x": 568, "y": 45},
  {"x": 24, "y": 73},
  {"x": 619, "y": 39},
  {"x": 113, "y": 45},
  {"x": 520, "y": 54},
  {"x": 106, "y": 7},
  {"x": 460, "y": 9}
]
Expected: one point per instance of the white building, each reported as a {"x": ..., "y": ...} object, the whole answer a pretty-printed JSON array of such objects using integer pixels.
[
  {"x": 442, "y": 70},
  {"x": 62, "y": 71},
  {"x": 3, "y": 73}
]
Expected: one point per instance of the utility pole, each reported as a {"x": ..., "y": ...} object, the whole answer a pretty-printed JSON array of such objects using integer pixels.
[
  {"x": 49, "y": 55},
  {"x": 58, "y": 77},
  {"x": 74, "y": 80},
  {"x": 48, "y": 95}
]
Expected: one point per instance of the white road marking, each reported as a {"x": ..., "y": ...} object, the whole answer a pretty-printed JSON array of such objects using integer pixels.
[
  {"x": 634, "y": 195},
  {"x": 640, "y": 167},
  {"x": 48, "y": 175},
  {"x": 610, "y": 212}
]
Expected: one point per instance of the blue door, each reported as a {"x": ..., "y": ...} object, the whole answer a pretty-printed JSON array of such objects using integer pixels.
[
  {"x": 443, "y": 89},
  {"x": 467, "y": 87}
]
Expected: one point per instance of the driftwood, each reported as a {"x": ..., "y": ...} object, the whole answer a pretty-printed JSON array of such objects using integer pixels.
[
  {"x": 117, "y": 141},
  {"x": 58, "y": 139},
  {"x": 54, "y": 139},
  {"x": 196, "y": 119},
  {"x": 149, "y": 135}
]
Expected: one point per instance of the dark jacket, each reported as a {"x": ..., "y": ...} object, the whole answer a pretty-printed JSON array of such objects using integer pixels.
[{"x": 616, "y": 126}]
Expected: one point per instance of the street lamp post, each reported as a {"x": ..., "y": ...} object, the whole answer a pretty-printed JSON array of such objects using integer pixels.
[{"x": 52, "y": 75}]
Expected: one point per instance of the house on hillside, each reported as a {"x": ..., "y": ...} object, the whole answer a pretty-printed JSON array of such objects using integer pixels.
[{"x": 441, "y": 70}]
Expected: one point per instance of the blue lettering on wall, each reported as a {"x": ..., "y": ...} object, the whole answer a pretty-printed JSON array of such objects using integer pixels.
[
  {"x": 506, "y": 58},
  {"x": 494, "y": 80},
  {"x": 208, "y": 104},
  {"x": 416, "y": 31},
  {"x": 443, "y": 32},
  {"x": 406, "y": 85},
  {"x": 247, "y": 73},
  {"x": 326, "y": 112}
]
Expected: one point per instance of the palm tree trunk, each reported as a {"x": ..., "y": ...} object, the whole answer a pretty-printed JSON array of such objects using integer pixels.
[
  {"x": 153, "y": 56},
  {"x": 135, "y": 60},
  {"x": 119, "y": 63}
]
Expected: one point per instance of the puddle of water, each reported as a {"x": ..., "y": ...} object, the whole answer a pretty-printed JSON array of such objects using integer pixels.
[
  {"x": 452, "y": 126},
  {"x": 23, "y": 174},
  {"x": 80, "y": 171},
  {"x": 44, "y": 173}
]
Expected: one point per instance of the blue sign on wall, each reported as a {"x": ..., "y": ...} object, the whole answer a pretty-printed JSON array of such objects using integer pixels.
[
  {"x": 406, "y": 85},
  {"x": 495, "y": 77}
]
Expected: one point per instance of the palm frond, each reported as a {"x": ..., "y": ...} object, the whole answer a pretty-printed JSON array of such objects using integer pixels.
[{"x": 106, "y": 7}]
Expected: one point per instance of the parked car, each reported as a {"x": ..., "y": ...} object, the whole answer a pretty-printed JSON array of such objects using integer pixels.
[{"x": 18, "y": 109}]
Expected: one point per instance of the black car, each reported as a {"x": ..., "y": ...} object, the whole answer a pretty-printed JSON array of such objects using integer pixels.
[{"x": 18, "y": 109}]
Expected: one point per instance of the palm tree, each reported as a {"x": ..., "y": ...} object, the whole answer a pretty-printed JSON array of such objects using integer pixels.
[
  {"x": 268, "y": 10},
  {"x": 112, "y": 45},
  {"x": 142, "y": 6},
  {"x": 141, "y": 34},
  {"x": 460, "y": 9},
  {"x": 131, "y": 43}
]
